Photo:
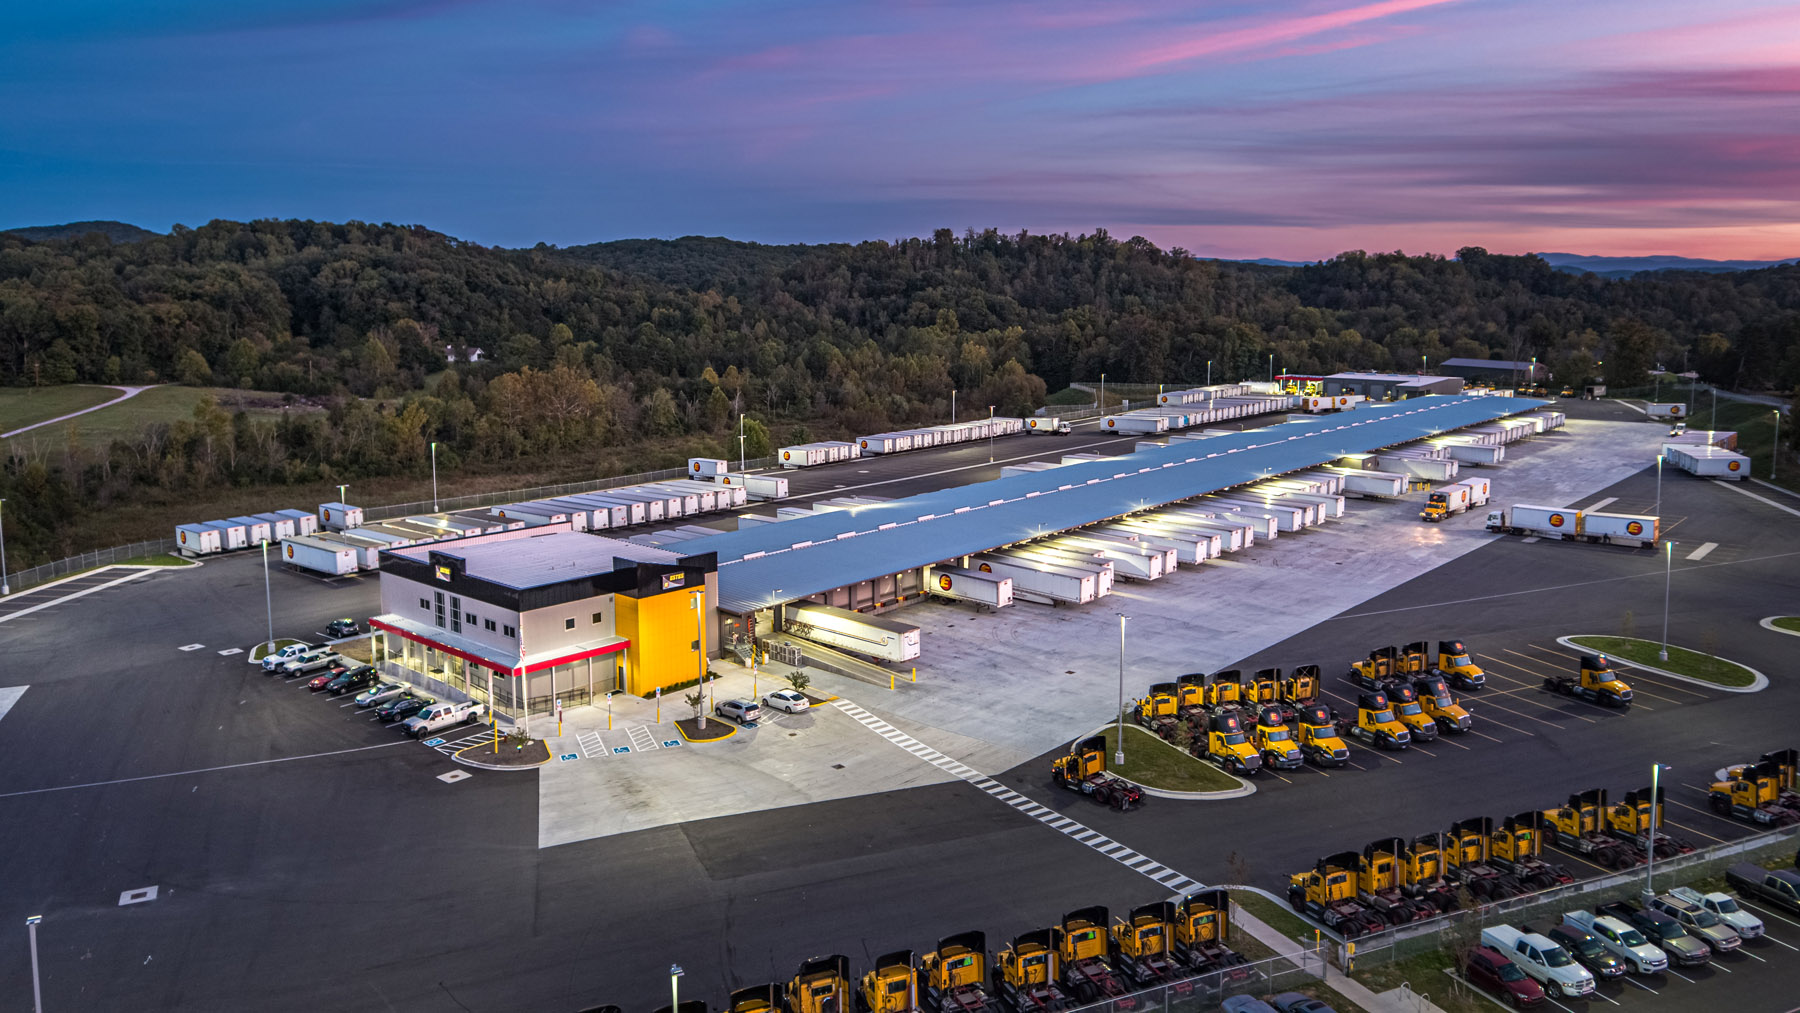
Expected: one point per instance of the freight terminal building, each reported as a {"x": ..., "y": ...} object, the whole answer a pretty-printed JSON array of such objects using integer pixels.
[{"x": 521, "y": 619}]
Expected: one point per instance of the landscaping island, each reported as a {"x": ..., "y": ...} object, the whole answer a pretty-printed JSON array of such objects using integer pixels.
[
  {"x": 1693, "y": 664},
  {"x": 1153, "y": 763}
]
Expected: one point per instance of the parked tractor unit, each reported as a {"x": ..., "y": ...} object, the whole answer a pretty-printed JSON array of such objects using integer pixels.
[
  {"x": 1433, "y": 693},
  {"x": 1190, "y": 695},
  {"x": 1301, "y": 688},
  {"x": 1516, "y": 846},
  {"x": 1422, "y": 726},
  {"x": 1753, "y": 793},
  {"x": 1596, "y": 683},
  {"x": 821, "y": 985},
  {"x": 1274, "y": 741},
  {"x": 1576, "y": 827},
  {"x": 1376, "y": 672},
  {"x": 1224, "y": 691},
  {"x": 1026, "y": 978},
  {"x": 1228, "y": 746},
  {"x": 892, "y": 987},
  {"x": 1454, "y": 664},
  {"x": 1414, "y": 660},
  {"x": 1631, "y": 818},
  {"x": 1084, "y": 770},
  {"x": 756, "y": 999},
  {"x": 1202, "y": 940},
  {"x": 1264, "y": 690},
  {"x": 1328, "y": 893},
  {"x": 1140, "y": 948},
  {"x": 1375, "y": 723},
  {"x": 1378, "y": 884},
  {"x": 953, "y": 977},
  {"x": 1157, "y": 710},
  {"x": 1081, "y": 952},
  {"x": 1318, "y": 737},
  {"x": 1422, "y": 873},
  {"x": 1467, "y": 857}
]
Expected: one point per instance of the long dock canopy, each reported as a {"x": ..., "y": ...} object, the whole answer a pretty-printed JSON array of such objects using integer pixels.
[{"x": 770, "y": 564}]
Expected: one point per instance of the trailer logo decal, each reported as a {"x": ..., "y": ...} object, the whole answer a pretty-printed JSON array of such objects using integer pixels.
[
  {"x": 944, "y": 581},
  {"x": 984, "y": 568},
  {"x": 1732, "y": 465},
  {"x": 696, "y": 465},
  {"x": 184, "y": 541},
  {"x": 1556, "y": 520},
  {"x": 1111, "y": 423},
  {"x": 1634, "y": 528},
  {"x": 290, "y": 550},
  {"x": 786, "y": 456}
]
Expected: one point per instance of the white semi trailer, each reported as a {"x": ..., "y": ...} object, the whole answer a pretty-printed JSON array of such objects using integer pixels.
[
  {"x": 1038, "y": 581},
  {"x": 871, "y": 636},
  {"x": 959, "y": 584}
]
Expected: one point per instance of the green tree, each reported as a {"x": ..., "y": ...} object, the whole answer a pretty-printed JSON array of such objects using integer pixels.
[
  {"x": 756, "y": 439},
  {"x": 191, "y": 368},
  {"x": 661, "y": 417}
]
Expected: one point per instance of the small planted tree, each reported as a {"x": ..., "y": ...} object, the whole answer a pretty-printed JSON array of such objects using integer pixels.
[
  {"x": 799, "y": 680},
  {"x": 697, "y": 700}
]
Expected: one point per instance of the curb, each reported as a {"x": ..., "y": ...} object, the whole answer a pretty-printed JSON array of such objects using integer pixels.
[
  {"x": 458, "y": 757},
  {"x": 1758, "y": 681},
  {"x": 1769, "y": 624},
  {"x": 1243, "y": 789},
  {"x": 701, "y": 742}
]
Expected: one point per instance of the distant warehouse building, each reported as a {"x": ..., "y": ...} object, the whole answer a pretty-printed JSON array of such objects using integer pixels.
[
  {"x": 1500, "y": 371},
  {"x": 1391, "y": 386},
  {"x": 521, "y": 619}
]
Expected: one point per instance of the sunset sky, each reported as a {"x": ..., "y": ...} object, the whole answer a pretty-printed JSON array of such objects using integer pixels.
[{"x": 1278, "y": 128}]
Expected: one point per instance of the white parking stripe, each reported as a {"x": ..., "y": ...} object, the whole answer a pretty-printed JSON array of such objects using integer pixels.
[
  {"x": 1703, "y": 551},
  {"x": 1156, "y": 872}
]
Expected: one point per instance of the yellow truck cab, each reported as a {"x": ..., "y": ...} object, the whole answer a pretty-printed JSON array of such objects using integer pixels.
[
  {"x": 756, "y": 999},
  {"x": 1275, "y": 741},
  {"x": 1434, "y": 696},
  {"x": 892, "y": 987},
  {"x": 1229, "y": 747},
  {"x": 821, "y": 985},
  {"x": 1157, "y": 709},
  {"x": 954, "y": 976},
  {"x": 1025, "y": 974},
  {"x": 1375, "y": 723},
  {"x": 1407, "y": 709},
  {"x": 1202, "y": 928},
  {"x": 1319, "y": 740},
  {"x": 1454, "y": 664},
  {"x": 1223, "y": 689},
  {"x": 1302, "y": 687},
  {"x": 1597, "y": 683},
  {"x": 1422, "y": 873},
  {"x": 1140, "y": 944},
  {"x": 1190, "y": 693}
]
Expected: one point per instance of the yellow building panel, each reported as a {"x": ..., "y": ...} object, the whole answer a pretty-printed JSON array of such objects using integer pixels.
[{"x": 662, "y": 631}]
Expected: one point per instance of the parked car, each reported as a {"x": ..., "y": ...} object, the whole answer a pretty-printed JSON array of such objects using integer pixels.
[
  {"x": 356, "y": 678},
  {"x": 1678, "y": 428},
  {"x": 1489, "y": 970},
  {"x": 339, "y": 628},
  {"x": 1725, "y": 906},
  {"x": 402, "y": 708},
  {"x": 786, "y": 700},
  {"x": 1681, "y": 946},
  {"x": 380, "y": 693},
  {"x": 273, "y": 661},
  {"x": 1621, "y": 940},
  {"x": 312, "y": 663},
  {"x": 1299, "y": 1002},
  {"x": 1541, "y": 958},
  {"x": 744, "y": 712},
  {"x": 1703, "y": 924},
  {"x": 441, "y": 715},
  {"x": 325, "y": 678},
  {"x": 1246, "y": 1004},
  {"x": 1585, "y": 947}
]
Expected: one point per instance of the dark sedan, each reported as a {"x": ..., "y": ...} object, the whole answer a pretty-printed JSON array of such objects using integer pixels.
[
  {"x": 356, "y": 678},
  {"x": 401, "y": 709}
]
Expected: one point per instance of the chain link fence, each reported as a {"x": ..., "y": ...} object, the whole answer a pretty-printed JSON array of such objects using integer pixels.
[
  {"x": 487, "y": 499},
  {"x": 1204, "y": 992},
  {"x": 19, "y": 580}
]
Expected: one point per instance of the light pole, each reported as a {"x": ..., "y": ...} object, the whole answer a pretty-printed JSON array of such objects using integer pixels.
[
  {"x": 675, "y": 973},
  {"x": 1119, "y": 753},
  {"x": 37, "y": 990},
  {"x": 740, "y": 442},
  {"x": 700, "y": 632},
  {"x": 990, "y": 434},
  {"x": 953, "y": 406},
  {"x": 1714, "y": 423},
  {"x": 1209, "y": 372},
  {"x": 341, "y": 489},
  {"x": 1271, "y": 367},
  {"x": 1102, "y": 405},
  {"x": 5, "y": 589},
  {"x": 1656, "y": 770},
  {"x": 434, "y": 495},
  {"x": 1775, "y": 452},
  {"x": 1668, "y": 577},
  {"x": 268, "y": 596},
  {"x": 1659, "y": 462}
]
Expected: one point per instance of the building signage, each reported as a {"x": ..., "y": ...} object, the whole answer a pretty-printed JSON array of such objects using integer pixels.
[
  {"x": 443, "y": 572},
  {"x": 670, "y": 581}
]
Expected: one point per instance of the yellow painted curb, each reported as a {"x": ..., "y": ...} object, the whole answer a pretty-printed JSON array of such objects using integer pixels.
[
  {"x": 701, "y": 742},
  {"x": 458, "y": 757}
]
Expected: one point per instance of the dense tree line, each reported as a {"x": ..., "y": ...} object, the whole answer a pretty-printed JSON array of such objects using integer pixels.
[{"x": 506, "y": 357}]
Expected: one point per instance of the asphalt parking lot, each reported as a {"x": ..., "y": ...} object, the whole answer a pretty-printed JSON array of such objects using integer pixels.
[{"x": 306, "y": 859}]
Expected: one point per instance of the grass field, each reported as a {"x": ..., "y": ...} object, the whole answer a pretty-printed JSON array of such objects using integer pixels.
[
  {"x": 1693, "y": 664},
  {"x": 23, "y": 406},
  {"x": 1789, "y": 623},
  {"x": 159, "y": 404},
  {"x": 1155, "y": 764}
]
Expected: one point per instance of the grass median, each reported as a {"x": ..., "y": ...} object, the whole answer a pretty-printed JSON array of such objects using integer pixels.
[
  {"x": 1154, "y": 763},
  {"x": 1693, "y": 664},
  {"x": 1788, "y": 623},
  {"x": 1274, "y": 915}
]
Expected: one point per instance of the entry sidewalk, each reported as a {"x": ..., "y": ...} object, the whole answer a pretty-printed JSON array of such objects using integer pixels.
[
  {"x": 615, "y": 719},
  {"x": 1392, "y": 1001}
]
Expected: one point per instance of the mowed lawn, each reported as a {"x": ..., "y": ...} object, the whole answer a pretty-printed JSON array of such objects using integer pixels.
[
  {"x": 23, "y": 406},
  {"x": 159, "y": 404}
]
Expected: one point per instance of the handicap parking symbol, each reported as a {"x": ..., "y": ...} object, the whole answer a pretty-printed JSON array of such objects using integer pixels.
[
  {"x": 670, "y": 743},
  {"x": 566, "y": 757},
  {"x": 434, "y": 742},
  {"x": 621, "y": 749}
]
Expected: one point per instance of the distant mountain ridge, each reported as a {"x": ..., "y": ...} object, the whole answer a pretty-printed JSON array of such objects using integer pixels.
[
  {"x": 118, "y": 232},
  {"x": 1626, "y": 267}
]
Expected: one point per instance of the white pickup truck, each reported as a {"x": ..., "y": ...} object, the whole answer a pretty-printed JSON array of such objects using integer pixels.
[
  {"x": 442, "y": 715},
  {"x": 1622, "y": 940},
  {"x": 1540, "y": 957},
  {"x": 1725, "y": 906}
]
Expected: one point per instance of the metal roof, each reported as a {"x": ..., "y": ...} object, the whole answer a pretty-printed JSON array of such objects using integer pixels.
[
  {"x": 773, "y": 563},
  {"x": 1403, "y": 379},
  {"x": 523, "y": 559}
]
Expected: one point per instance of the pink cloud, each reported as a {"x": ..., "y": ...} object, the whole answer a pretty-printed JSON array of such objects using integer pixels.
[{"x": 1258, "y": 36}]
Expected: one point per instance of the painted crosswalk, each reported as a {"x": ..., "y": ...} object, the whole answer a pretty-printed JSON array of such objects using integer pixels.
[
  {"x": 642, "y": 739},
  {"x": 1071, "y": 828},
  {"x": 450, "y": 747},
  {"x": 591, "y": 744}
]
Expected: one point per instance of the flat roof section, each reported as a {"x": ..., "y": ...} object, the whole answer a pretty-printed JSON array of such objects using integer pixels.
[
  {"x": 529, "y": 558},
  {"x": 773, "y": 563},
  {"x": 1403, "y": 379}
]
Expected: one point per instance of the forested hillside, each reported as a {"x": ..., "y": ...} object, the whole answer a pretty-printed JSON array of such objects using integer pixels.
[{"x": 512, "y": 360}]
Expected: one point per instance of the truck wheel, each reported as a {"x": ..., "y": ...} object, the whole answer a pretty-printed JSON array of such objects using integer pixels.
[{"x": 1720, "y": 804}]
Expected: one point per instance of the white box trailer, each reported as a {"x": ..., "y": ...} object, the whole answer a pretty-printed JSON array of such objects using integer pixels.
[
  {"x": 1288, "y": 516},
  {"x": 619, "y": 513},
  {"x": 708, "y": 467},
  {"x": 871, "y": 636},
  {"x": 582, "y": 516},
  {"x": 368, "y": 550},
  {"x": 231, "y": 536},
  {"x": 321, "y": 556},
  {"x": 838, "y": 450},
  {"x": 1666, "y": 410},
  {"x": 1418, "y": 467},
  {"x": 526, "y": 512},
  {"x": 198, "y": 539},
  {"x": 757, "y": 487},
  {"x": 338, "y": 516},
  {"x": 958, "y": 584},
  {"x": 803, "y": 455},
  {"x": 257, "y": 528},
  {"x": 692, "y": 502},
  {"x": 1069, "y": 558},
  {"x": 1383, "y": 484},
  {"x": 1135, "y": 423},
  {"x": 1479, "y": 491},
  {"x": 1039, "y": 581},
  {"x": 1233, "y": 535},
  {"x": 1046, "y": 425},
  {"x": 1620, "y": 529},
  {"x": 304, "y": 523},
  {"x": 1542, "y": 521},
  {"x": 1325, "y": 505},
  {"x": 656, "y": 508},
  {"x": 1261, "y": 524},
  {"x": 387, "y": 536},
  {"x": 1707, "y": 461},
  {"x": 885, "y": 443},
  {"x": 1187, "y": 546},
  {"x": 280, "y": 526},
  {"x": 1130, "y": 557},
  {"x": 1472, "y": 453}
]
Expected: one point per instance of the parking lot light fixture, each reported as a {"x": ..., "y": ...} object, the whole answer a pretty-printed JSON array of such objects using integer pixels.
[
  {"x": 1668, "y": 577},
  {"x": 1775, "y": 451},
  {"x": 1656, "y": 770},
  {"x": 4, "y": 588},
  {"x": 341, "y": 489},
  {"x": 1119, "y": 751},
  {"x": 434, "y": 495},
  {"x": 675, "y": 973},
  {"x": 1659, "y": 463},
  {"x": 268, "y": 596},
  {"x": 37, "y": 989}
]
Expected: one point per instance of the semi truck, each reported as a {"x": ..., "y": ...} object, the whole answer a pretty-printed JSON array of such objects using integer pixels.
[
  {"x": 871, "y": 636},
  {"x": 1455, "y": 498},
  {"x": 974, "y": 586},
  {"x": 1568, "y": 524}
]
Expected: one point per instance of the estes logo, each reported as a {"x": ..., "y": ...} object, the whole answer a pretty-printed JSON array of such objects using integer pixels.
[
  {"x": 944, "y": 581},
  {"x": 1557, "y": 520}
]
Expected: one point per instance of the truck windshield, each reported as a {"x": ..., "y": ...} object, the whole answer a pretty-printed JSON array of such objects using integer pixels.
[
  {"x": 1382, "y": 717},
  {"x": 1278, "y": 735},
  {"x": 1460, "y": 661},
  {"x": 1510, "y": 972},
  {"x": 1631, "y": 937},
  {"x": 1726, "y": 906},
  {"x": 1556, "y": 956},
  {"x": 1234, "y": 738},
  {"x": 1410, "y": 709}
]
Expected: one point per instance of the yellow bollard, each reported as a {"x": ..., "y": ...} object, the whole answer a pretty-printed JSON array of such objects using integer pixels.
[
  {"x": 915, "y": 673},
  {"x": 495, "y": 724},
  {"x": 890, "y": 682}
]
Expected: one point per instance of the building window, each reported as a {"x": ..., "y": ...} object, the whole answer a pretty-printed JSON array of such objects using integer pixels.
[
  {"x": 439, "y": 617},
  {"x": 509, "y": 631},
  {"x": 568, "y": 624},
  {"x": 425, "y": 603},
  {"x": 596, "y": 619},
  {"x": 456, "y": 614},
  {"x": 472, "y": 619},
  {"x": 490, "y": 625}
]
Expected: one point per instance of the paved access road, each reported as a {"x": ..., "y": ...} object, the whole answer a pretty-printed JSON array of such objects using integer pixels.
[{"x": 345, "y": 875}]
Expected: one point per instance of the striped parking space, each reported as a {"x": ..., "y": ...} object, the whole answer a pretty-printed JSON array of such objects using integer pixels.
[{"x": 1074, "y": 829}]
